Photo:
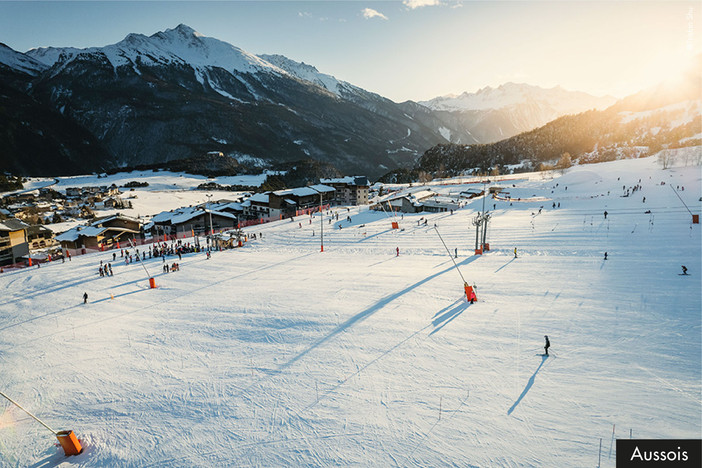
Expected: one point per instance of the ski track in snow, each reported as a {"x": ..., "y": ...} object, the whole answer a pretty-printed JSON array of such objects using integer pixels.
[{"x": 278, "y": 355}]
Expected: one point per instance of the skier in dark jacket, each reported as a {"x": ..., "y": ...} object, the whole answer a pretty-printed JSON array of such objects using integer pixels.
[
  {"x": 547, "y": 345},
  {"x": 85, "y": 298}
]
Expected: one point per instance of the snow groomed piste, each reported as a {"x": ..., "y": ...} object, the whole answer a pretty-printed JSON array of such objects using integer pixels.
[{"x": 369, "y": 353}]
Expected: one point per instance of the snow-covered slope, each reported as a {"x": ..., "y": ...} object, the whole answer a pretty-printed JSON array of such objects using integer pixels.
[
  {"x": 306, "y": 72},
  {"x": 508, "y": 95},
  {"x": 278, "y": 355},
  {"x": 18, "y": 61}
]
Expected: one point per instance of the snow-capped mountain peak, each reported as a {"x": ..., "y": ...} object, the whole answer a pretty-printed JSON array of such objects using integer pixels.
[
  {"x": 17, "y": 61},
  {"x": 512, "y": 94},
  {"x": 180, "y": 45}
]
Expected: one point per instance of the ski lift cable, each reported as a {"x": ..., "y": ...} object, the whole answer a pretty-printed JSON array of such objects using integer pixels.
[
  {"x": 681, "y": 200},
  {"x": 449, "y": 254},
  {"x": 133, "y": 245},
  {"x": 34, "y": 417}
]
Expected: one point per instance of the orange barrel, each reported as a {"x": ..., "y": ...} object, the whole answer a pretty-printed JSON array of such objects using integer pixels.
[
  {"x": 69, "y": 442},
  {"x": 152, "y": 283},
  {"x": 478, "y": 251},
  {"x": 470, "y": 294}
]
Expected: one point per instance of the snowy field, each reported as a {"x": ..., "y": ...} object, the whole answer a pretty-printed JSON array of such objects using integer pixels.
[
  {"x": 158, "y": 180},
  {"x": 277, "y": 355}
]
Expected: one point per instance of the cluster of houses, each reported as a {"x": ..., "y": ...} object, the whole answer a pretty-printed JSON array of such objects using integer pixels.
[{"x": 19, "y": 238}]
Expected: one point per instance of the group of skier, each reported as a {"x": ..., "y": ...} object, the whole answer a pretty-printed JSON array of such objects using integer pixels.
[{"x": 105, "y": 270}]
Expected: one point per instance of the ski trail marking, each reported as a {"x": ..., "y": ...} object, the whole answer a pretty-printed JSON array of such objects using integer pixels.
[
  {"x": 431, "y": 429},
  {"x": 165, "y": 301},
  {"x": 671, "y": 386}
]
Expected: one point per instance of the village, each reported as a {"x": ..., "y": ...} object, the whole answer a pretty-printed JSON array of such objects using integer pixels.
[{"x": 43, "y": 225}]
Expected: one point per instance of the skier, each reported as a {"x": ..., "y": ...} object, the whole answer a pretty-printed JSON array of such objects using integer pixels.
[
  {"x": 398, "y": 251},
  {"x": 605, "y": 214},
  {"x": 515, "y": 252},
  {"x": 605, "y": 256},
  {"x": 684, "y": 269},
  {"x": 546, "y": 346},
  {"x": 85, "y": 298}
]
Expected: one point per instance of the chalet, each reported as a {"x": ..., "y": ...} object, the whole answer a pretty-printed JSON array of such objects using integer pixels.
[
  {"x": 230, "y": 207},
  {"x": 186, "y": 221},
  {"x": 352, "y": 190},
  {"x": 40, "y": 237},
  {"x": 288, "y": 202},
  {"x": 439, "y": 204},
  {"x": 101, "y": 233},
  {"x": 256, "y": 206},
  {"x": 406, "y": 202},
  {"x": 13, "y": 241},
  {"x": 113, "y": 202}
]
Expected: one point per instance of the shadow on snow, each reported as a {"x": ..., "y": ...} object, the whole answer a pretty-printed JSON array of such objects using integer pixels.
[
  {"x": 359, "y": 317},
  {"x": 529, "y": 384}
]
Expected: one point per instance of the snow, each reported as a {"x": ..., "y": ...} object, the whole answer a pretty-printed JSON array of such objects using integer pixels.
[
  {"x": 306, "y": 72},
  {"x": 166, "y": 191},
  {"x": 445, "y": 132},
  {"x": 18, "y": 61},
  {"x": 511, "y": 94},
  {"x": 157, "y": 180},
  {"x": 689, "y": 110},
  {"x": 180, "y": 45},
  {"x": 693, "y": 137},
  {"x": 276, "y": 354}
]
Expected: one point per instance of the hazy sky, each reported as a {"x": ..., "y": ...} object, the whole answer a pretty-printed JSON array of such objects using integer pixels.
[{"x": 416, "y": 49}]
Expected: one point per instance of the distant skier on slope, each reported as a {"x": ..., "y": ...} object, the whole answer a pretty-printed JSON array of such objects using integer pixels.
[
  {"x": 85, "y": 298},
  {"x": 515, "y": 252},
  {"x": 684, "y": 269},
  {"x": 605, "y": 214},
  {"x": 398, "y": 251},
  {"x": 547, "y": 345}
]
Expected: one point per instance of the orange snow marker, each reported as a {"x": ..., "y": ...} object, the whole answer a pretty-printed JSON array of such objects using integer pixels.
[
  {"x": 479, "y": 251},
  {"x": 486, "y": 247},
  {"x": 470, "y": 294},
  {"x": 152, "y": 283},
  {"x": 696, "y": 219},
  {"x": 30, "y": 261},
  {"x": 69, "y": 442},
  {"x": 112, "y": 296},
  {"x": 395, "y": 225}
]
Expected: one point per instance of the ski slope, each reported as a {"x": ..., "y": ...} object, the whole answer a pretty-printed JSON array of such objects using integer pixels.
[{"x": 276, "y": 354}]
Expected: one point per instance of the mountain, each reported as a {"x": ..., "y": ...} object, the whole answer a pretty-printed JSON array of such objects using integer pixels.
[
  {"x": 666, "y": 116},
  {"x": 37, "y": 139},
  {"x": 492, "y": 114},
  {"x": 178, "y": 94}
]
